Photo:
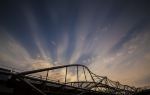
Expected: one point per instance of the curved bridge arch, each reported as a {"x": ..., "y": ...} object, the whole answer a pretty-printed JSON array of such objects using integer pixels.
[{"x": 98, "y": 83}]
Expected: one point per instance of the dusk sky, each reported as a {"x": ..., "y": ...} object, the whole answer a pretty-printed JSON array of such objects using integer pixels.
[{"x": 111, "y": 37}]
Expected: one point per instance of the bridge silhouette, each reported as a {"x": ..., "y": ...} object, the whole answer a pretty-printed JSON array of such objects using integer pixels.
[{"x": 72, "y": 79}]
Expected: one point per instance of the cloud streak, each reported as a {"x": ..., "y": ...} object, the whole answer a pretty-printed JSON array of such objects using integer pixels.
[
  {"x": 14, "y": 56},
  {"x": 112, "y": 41}
]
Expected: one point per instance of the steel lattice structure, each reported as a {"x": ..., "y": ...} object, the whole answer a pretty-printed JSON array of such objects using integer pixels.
[{"x": 97, "y": 83}]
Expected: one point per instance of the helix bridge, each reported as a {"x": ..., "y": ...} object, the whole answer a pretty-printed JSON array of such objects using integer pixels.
[{"x": 72, "y": 79}]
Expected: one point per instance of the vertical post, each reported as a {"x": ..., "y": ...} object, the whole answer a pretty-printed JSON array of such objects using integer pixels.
[
  {"x": 84, "y": 74},
  {"x": 66, "y": 75},
  {"x": 47, "y": 75},
  {"x": 106, "y": 83},
  {"x": 77, "y": 76}
]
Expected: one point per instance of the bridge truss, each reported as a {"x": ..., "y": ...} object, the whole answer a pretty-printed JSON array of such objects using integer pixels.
[{"x": 75, "y": 76}]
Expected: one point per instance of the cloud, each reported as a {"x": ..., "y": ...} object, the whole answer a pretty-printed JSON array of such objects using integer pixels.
[
  {"x": 129, "y": 64},
  {"x": 135, "y": 30},
  {"x": 118, "y": 48},
  {"x": 14, "y": 56},
  {"x": 38, "y": 39},
  {"x": 54, "y": 43},
  {"x": 62, "y": 48}
]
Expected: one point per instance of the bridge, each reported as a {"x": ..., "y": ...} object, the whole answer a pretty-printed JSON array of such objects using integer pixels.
[{"x": 72, "y": 79}]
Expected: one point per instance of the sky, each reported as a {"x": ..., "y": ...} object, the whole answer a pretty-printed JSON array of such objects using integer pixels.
[{"x": 111, "y": 37}]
